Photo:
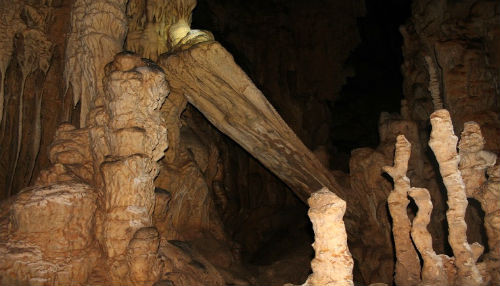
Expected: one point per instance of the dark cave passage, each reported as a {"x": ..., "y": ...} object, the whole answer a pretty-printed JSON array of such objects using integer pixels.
[{"x": 329, "y": 68}]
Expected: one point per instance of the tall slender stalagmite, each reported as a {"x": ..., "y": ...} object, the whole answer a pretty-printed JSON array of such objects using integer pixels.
[
  {"x": 407, "y": 270},
  {"x": 433, "y": 271},
  {"x": 443, "y": 143}
]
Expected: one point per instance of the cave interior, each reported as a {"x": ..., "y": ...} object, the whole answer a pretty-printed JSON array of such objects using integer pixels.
[{"x": 212, "y": 142}]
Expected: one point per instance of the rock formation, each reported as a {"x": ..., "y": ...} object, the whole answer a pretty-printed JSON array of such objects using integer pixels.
[
  {"x": 333, "y": 263},
  {"x": 117, "y": 213},
  {"x": 463, "y": 268},
  {"x": 93, "y": 196}
]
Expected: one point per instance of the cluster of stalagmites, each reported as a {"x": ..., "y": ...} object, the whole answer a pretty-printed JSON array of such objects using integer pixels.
[
  {"x": 469, "y": 173},
  {"x": 90, "y": 217}
]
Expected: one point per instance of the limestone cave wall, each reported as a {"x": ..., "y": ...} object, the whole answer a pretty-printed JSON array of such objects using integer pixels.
[{"x": 204, "y": 209}]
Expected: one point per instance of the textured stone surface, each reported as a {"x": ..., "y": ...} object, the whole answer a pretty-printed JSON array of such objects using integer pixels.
[
  {"x": 98, "y": 30},
  {"x": 407, "y": 269},
  {"x": 134, "y": 91},
  {"x": 444, "y": 145},
  {"x": 240, "y": 110},
  {"x": 462, "y": 39},
  {"x": 50, "y": 238},
  {"x": 332, "y": 263}
]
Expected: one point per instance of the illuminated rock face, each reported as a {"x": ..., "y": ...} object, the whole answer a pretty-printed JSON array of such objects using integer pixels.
[
  {"x": 56, "y": 226},
  {"x": 49, "y": 238},
  {"x": 135, "y": 138},
  {"x": 332, "y": 264},
  {"x": 201, "y": 194}
]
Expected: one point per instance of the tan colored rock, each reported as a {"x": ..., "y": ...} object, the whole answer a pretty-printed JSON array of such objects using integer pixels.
[
  {"x": 142, "y": 256},
  {"x": 462, "y": 39},
  {"x": 10, "y": 24},
  {"x": 185, "y": 266},
  {"x": 134, "y": 139},
  {"x": 433, "y": 271},
  {"x": 332, "y": 264},
  {"x": 473, "y": 159},
  {"x": 70, "y": 155},
  {"x": 372, "y": 248},
  {"x": 192, "y": 211},
  {"x": 51, "y": 236},
  {"x": 443, "y": 143},
  {"x": 98, "y": 30},
  {"x": 239, "y": 109},
  {"x": 407, "y": 271},
  {"x": 489, "y": 197}
]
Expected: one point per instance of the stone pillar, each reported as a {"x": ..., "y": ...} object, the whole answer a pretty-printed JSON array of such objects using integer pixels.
[{"x": 135, "y": 137}]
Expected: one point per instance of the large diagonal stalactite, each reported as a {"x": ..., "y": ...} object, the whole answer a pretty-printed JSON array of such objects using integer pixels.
[{"x": 208, "y": 76}]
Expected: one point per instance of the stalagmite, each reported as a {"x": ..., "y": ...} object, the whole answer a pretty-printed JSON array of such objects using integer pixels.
[
  {"x": 489, "y": 196},
  {"x": 98, "y": 30},
  {"x": 332, "y": 264},
  {"x": 136, "y": 138},
  {"x": 475, "y": 164},
  {"x": 210, "y": 79},
  {"x": 443, "y": 143},
  {"x": 433, "y": 271},
  {"x": 474, "y": 161},
  {"x": 407, "y": 270}
]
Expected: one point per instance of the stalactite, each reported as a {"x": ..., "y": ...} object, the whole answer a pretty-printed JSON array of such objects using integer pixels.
[
  {"x": 443, "y": 143},
  {"x": 37, "y": 136},
  {"x": 36, "y": 54},
  {"x": 10, "y": 24},
  {"x": 157, "y": 27},
  {"x": 433, "y": 84},
  {"x": 98, "y": 30}
]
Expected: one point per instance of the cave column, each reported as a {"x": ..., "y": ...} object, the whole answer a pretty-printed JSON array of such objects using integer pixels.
[{"x": 133, "y": 140}]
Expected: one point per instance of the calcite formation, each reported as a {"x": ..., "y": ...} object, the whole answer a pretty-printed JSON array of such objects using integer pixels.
[
  {"x": 57, "y": 226},
  {"x": 240, "y": 110},
  {"x": 444, "y": 145},
  {"x": 135, "y": 138},
  {"x": 407, "y": 271},
  {"x": 463, "y": 268},
  {"x": 332, "y": 264},
  {"x": 98, "y": 30},
  {"x": 461, "y": 40},
  {"x": 49, "y": 238}
]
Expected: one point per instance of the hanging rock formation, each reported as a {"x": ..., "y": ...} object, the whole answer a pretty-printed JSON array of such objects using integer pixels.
[{"x": 98, "y": 30}]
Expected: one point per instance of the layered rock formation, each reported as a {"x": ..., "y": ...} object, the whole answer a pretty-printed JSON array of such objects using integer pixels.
[{"x": 72, "y": 222}]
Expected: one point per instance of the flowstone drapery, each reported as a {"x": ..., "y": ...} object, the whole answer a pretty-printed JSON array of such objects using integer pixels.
[{"x": 463, "y": 176}]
